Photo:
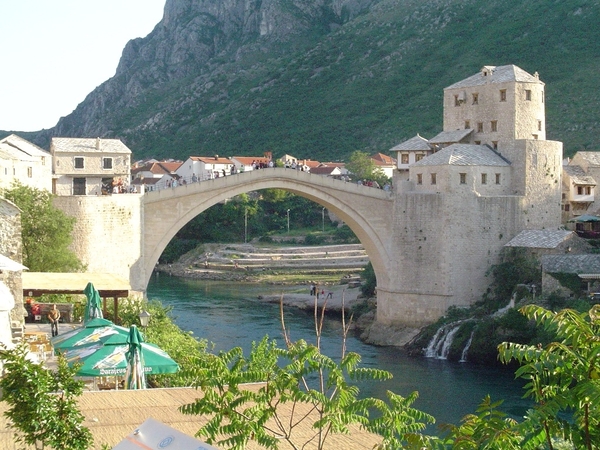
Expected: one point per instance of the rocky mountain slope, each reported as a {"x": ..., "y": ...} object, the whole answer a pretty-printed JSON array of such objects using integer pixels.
[{"x": 322, "y": 78}]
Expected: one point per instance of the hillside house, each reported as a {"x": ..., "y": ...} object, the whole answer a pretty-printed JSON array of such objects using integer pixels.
[
  {"x": 409, "y": 152},
  {"x": 386, "y": 164},
  {"x": 84, "y": 166},
  {"x": 577, "y": 191},
  {"x": 327, "y": 171},
  {"x": 198, "y": 168},
  {"x": 247, "y": 163},
  {"x": 22, "y": 161},
  {"x": 153, "y": 175}
]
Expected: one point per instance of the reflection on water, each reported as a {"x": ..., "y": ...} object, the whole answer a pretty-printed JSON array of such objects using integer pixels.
[{"x": 230, "y": 315}]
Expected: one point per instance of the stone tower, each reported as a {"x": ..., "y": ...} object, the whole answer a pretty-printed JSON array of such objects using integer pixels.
[
  {"x": 500, "y": 104},
  {"x": 492, "y": 175}
]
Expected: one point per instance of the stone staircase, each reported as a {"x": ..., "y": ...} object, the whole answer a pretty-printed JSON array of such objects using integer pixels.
[{"x": 333, "y": 257}]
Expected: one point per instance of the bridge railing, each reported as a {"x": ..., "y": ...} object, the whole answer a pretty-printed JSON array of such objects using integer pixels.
[{"x": 211, "y": 175}]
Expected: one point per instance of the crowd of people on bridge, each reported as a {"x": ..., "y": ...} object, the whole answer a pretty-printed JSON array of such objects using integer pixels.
[{"x": 173, "y": 180}]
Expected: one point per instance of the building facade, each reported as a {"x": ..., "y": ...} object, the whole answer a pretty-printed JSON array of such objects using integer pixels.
[
  {"x": 84, "y": 166},
  {"x": 22, "y": 161}
]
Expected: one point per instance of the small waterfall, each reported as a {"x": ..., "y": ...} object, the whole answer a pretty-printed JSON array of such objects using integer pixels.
[
  {"x": 463, "y": 357},
  {"x": 440, "y": 344},
  {"x": 511, "y": 305}
]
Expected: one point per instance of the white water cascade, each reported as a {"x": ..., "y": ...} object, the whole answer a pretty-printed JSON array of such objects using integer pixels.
[
  {"x": 463, "y": 357},
  {"x": 440, "y": 344}
]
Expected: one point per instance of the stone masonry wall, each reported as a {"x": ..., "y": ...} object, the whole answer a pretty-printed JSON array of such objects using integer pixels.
[
  {"x": 108, "y": 234},
  {"x": 11, "y": 247}
]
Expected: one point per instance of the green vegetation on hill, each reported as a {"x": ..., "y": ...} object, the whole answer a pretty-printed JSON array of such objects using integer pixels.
[{"x": 368, "y": 85}]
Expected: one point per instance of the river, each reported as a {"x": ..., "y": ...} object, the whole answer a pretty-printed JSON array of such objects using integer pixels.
[{"x": 230, "y": 315}]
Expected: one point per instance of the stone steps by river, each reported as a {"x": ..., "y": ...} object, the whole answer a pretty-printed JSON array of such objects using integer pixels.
[{"x": 330, "y": 256}]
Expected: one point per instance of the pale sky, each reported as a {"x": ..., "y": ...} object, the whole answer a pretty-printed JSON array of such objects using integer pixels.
[{"x": 55, "y": 52}]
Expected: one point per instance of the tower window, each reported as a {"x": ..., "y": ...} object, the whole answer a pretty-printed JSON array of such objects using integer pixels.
[
  {"x": 484, "y": 178},
  {"x": 476, "y": 99},
  {"x": 419, "y": 178},
  {"x": 433, "y": 178},
  {"x": 494, "y": 125},
  {"x": 528, "y": 94},
  {"x": 463, "y": 178},
  {"x": 495, "y": 145},
  {"x": 467, "y": 124},
  {"x": 539, "y": 125},
  {"x": 502, "y": 95},
  {"x": 79, "y": 162},
  {"x": 456, "y": 101},
  {"x": 480, "y": 127},
  {"x": 497, "y": 178}
]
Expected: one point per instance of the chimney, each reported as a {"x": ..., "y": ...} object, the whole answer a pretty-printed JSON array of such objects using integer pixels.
[
  {"x": 216, "y": 157},
  {"x": 97, "y": 143}
]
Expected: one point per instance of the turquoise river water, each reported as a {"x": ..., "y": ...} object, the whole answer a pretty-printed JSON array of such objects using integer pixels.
[{"x": 230, "y": 315}]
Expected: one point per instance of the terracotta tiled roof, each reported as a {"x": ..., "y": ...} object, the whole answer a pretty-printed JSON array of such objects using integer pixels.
[
  {"x": 383, "y": 160},
  {"x": 248, "y": 160}
]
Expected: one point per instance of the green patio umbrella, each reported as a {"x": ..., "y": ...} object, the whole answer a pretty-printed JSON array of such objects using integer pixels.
[
  {"x": 94, "y": 331},
  {"x": 93, "y": 308},
  {"x": 135, "y": 378},
  {"x": 108, "y": 358}
]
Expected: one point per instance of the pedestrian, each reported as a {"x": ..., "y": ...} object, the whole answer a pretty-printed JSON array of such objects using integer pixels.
[
  {"x": 329, "y": 295},
  {"x": 54, "y": 317}
]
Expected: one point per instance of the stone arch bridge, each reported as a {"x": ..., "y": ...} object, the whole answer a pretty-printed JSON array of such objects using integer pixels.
[{"x": 366, "y": 210}]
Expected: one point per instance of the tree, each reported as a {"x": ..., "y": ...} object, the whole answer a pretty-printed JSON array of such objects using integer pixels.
[
  {"x": 362, "y": 167},
  {"x": 316, "y": 386},
  {"x": 42, "y": 403},
  {"x": 46, "y": 231},
  {"x": 563, "y": 377}
]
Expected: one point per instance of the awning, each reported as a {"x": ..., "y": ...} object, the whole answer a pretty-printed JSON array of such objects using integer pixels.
[
  {"x": 36, "y": 284},
  {"x": 10, "y": 265},
  {"x": 585, "y": 218}
]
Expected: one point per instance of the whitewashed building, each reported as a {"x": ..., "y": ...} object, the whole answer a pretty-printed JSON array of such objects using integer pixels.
[
  {"x": 84, "y": 166},
  {"x": 22, "y": 161},
  {"x": 198, "y": 168}
]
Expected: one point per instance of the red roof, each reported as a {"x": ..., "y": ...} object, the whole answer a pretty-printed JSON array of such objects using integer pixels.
[{"x": 381, "y": 159}]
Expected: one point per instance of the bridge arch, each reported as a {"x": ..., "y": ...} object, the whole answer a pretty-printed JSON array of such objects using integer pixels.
[{"x": 367, "y": 211}]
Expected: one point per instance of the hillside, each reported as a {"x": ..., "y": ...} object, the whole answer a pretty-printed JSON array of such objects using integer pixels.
[{"x": 324, "y": 78}]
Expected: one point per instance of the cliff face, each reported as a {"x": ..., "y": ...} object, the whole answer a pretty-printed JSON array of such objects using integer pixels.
[
  {"x": 185, "y": 44},
  {"x": 322, "y": 78}
]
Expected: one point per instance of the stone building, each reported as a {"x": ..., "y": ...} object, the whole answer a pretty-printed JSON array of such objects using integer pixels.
[
  {"x": 580, "y": 175},
  {"x": 89, "y": 166},
  {"x": 22, "y": 161},
  {"x": 487, "y": 176}
]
